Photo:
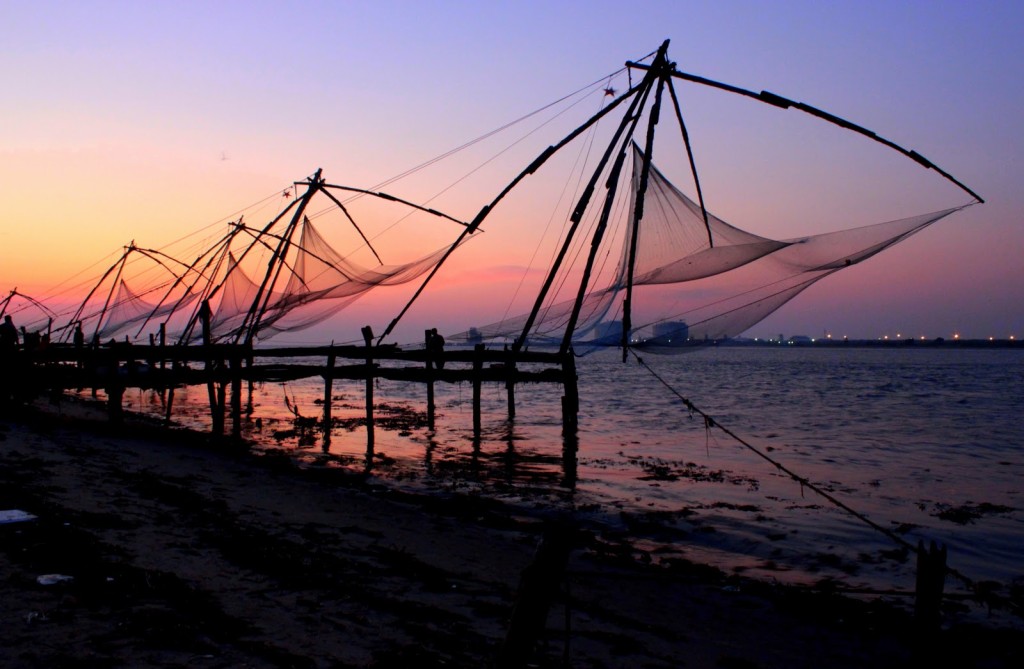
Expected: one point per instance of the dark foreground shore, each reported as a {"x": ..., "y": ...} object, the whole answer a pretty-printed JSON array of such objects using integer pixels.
[{"x": 184, "y": 553}]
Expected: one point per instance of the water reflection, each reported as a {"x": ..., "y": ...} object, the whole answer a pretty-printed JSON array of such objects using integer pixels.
[{"x": 906, "y": 436}]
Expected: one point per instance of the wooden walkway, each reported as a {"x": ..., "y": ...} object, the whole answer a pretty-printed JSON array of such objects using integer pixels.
[{"x": 119, "y": 366}]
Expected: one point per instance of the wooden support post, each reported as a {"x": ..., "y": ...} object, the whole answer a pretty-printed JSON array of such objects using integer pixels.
[
  {"x": 249, "y": 408},
  {"x": 570, "y": 418},
  {"x": 368, "y": 338},
  {"x": 115, "y": 395},
  {"x": 510, "y": 388},
  {"x": 328, "y": 390},
  {"x": 427, "y": 337},
  {"x": 571, "y": 399},
  {"x": 478, "y": 367},
  {"x": 236, "y": 395},
  {"x": 931, "y": 581},
  {"x": 161, "y": 356},
  {"x": 163, "y": 344},
  {"x": 216, "y": 415},
  {"x": 221, "y": 400},
  {"x": 537, "y": 586},
  {"x": 170, "y": 403}
]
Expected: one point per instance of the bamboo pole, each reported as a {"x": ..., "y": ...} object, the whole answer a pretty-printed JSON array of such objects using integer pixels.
[
  {"x": 602, "y": 225},
  {"x": 530, "y": 169},
  {"x": 251, "y": 324},
  {"x": 629, "y": 118},
  {"x": 659, "y": 64},
  {"x": 784, "y": 103}
]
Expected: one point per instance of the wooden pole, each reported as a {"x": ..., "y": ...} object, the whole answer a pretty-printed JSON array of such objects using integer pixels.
[
  {"x": 114, "y": 387},
  {"x": 163, "y": 343},
  {"x": 236, "y": 395},
  {"x": 510, "y": 388},
  {"x": 251, "y": 324},
  {"x": 249, "y": 408},
  {"x": 216, "y": 416},
  {"x": 478, "y": 366},
  {"x": 530, "y": 169},
  {"x": 570, "y": 418},
  {"x": 931, "y": 581},
  {"x": 328, "y": 389},
  {"x": 368, "y": 338},
  {"x": 571, "y": 399},
  {"x": 221, "y": 400},
  {"x": 115, "y": 411},
  {"x": 170, "y": 404},
  {"x": 427, "y": 336},
  {"x": 630, "y": 117},
  {"x": 538, "y": 584},
  {"x": 660, "y": 63}
]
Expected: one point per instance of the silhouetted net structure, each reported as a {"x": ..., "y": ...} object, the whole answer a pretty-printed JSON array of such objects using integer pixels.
[
  {"x": 638, "y": 262},
  {"x": 695, "y": 280},
  {"x": 255, "y": 283}
]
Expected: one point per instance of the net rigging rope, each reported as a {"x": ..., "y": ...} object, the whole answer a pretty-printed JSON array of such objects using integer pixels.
[
  {"x": 582, "y": 159},
  {"x": 980, "y": 593},
  {"x": 477, "y": 140}
]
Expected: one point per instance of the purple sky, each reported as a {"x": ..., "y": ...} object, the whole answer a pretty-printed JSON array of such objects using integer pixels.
[{"x": 146, "y": 121}]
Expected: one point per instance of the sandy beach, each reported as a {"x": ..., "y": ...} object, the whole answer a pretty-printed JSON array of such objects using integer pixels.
[{"x": 161, "y": 548}]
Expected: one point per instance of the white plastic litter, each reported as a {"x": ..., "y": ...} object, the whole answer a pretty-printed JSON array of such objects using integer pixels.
[
  {"x": 53, "y": 579},
  {"x": 14, "y": 516}
]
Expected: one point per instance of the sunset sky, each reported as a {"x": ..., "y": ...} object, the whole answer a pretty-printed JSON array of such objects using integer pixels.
[{"x": 151, "y": 120}]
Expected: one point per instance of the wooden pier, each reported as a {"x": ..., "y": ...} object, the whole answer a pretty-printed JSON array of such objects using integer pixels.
[{"x": 119, "y": 366}]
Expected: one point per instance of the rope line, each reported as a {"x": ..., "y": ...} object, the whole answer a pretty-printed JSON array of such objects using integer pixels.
[{"x": 980, "y": 593}]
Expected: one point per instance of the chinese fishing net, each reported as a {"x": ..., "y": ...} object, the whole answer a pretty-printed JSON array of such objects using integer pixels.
[{"x": 695, "y": 282}]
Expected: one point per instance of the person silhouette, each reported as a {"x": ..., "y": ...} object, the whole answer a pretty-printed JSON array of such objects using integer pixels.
[
  {"x": 435, "y": 346},
  {"x": 8, "y": 333}
]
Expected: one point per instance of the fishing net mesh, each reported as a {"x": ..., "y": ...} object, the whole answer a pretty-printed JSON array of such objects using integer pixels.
[{"x": 695, "y": 281}]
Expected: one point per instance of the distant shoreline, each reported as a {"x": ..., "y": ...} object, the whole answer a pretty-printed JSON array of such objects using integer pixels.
[{"x": 940, "y": 343}]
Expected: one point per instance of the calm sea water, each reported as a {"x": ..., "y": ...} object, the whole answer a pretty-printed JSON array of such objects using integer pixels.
[{"x": 926, "y": 442}]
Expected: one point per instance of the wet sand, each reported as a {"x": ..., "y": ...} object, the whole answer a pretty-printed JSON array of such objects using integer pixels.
[{"x": 186, "y": 552}]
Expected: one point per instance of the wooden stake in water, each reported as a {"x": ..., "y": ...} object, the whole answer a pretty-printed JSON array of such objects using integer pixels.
[
  {"x": 510, "y": 388},
  {"x": 216, "y": 415},
  {"x": 236, "y": 395},
  {"x": 478, "y": 366},
  {"x": 328, "y": 388},
  {"x": 368, "y": 338},
  {"x": 427, "y": 340}
]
